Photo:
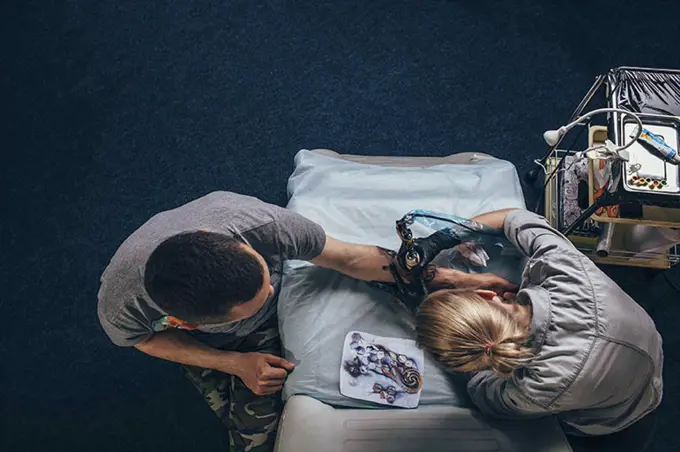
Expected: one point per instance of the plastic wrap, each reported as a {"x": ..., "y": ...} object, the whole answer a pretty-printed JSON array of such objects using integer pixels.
[
  {"x": 648, "y": 91},
  {"x": 480, "y": 244},
  {"x": 648, "y": 239}
]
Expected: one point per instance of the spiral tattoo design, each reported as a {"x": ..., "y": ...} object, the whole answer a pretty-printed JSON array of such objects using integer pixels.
[
  {"x": 411, "y": 380},
  {"x": 377, "y": 359}
]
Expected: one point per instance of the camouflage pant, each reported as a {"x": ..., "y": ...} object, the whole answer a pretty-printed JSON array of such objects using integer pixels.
[{"x": 252, "y": 420}]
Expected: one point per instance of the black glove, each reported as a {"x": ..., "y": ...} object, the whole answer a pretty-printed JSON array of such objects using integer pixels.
[{"x": 423, "y": 251}]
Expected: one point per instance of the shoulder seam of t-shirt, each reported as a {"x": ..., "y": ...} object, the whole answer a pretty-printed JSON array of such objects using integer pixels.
[
  {"x": 273, "y": 220},
  {"x": 126, "y": 341},
  {"x": 116, "y": 316}
]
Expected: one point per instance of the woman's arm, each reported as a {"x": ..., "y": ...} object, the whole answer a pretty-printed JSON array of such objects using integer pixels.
[
  {"x": 372, "y": 263},
  {"x": 494, "y": 219}
]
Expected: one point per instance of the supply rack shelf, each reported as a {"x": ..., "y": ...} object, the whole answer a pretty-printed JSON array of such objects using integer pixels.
[
  {"x": 617, "y": 255},
  {"x": 654, "y": 95}
]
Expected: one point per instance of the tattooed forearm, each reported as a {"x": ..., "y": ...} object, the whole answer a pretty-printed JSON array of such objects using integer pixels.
[{"x": 390, "y": 256}]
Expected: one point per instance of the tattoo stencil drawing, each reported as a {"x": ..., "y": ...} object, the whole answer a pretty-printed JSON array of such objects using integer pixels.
[{"x": 379, "y": 360}]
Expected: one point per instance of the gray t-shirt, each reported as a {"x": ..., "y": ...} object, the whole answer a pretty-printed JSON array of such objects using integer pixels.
[{"x": 127, "y": 313}]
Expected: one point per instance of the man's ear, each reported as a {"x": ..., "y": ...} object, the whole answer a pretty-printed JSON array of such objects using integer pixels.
[{"x": 488, "y": 294}]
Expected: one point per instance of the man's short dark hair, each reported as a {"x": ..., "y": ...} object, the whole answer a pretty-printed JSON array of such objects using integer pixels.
[{"x": 200, "y": 276}]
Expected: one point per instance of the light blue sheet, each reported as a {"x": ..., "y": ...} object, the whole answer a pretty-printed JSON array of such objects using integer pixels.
[{"x": 360, "y": 203}]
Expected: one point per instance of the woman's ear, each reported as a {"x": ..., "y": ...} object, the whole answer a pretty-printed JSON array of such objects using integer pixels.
[{"x": 488, "y": 294}]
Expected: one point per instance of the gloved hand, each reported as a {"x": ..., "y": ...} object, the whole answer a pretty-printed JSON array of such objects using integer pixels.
[
  {"x": 472, "y": 253},
  {"x": 426, "y": 249}
]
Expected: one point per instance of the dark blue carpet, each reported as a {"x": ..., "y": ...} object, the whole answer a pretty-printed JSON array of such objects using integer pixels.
[{"x": 115, "y": 110}]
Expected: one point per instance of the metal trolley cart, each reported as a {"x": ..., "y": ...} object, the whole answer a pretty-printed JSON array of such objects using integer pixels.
[{"x": 622, "y": 212}]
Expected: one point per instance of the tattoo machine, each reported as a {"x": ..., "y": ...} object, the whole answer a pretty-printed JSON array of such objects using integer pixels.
[{"x": 411, "y": 257}]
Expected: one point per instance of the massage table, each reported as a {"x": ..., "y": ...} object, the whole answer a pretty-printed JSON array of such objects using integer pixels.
[{"x": 358, "y": 199}]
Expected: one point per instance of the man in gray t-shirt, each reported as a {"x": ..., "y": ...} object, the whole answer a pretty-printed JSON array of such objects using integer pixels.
[
  {"x": 198, "y": 285},
  {"x": 130, "y": 316}
]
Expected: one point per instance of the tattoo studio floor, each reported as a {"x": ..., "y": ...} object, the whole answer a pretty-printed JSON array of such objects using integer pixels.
[{"x": 114, "y": 111}]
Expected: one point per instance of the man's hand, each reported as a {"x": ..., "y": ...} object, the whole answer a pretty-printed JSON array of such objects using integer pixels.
[{"x": 263, "y": 373}]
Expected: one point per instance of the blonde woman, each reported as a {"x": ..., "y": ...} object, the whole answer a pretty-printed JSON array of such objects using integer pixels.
[{"x": 569, "y": 343}]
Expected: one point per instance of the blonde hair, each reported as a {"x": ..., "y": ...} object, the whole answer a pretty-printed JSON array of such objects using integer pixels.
[{"x": 465, "y": 333}]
